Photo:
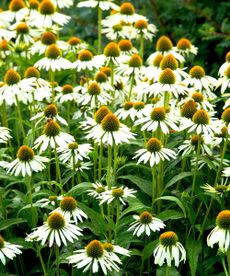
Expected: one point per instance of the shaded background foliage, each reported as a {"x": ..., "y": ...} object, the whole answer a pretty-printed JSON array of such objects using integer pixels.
[{"x": 205, "y": 22}]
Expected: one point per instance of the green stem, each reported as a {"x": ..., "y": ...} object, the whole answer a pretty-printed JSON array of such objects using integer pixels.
[
  {"x": 131, "y": 86},
  {"x": 228, "y": 260},
  {"x": 73, "y": 177},
  {"x": 99, "y": 10},
  {"x": 41, "y": 260},
  {"x": 114, "y": 163},
  {"x": 20, "y": 117},
  {"x": 112, "y": 73},
  {"x": 166, "y": 99},
  {"x": 221, "y": 160},
  {"x": 4, "y": 114},
  {"x": 58, "y": 172},
  {"x": 29, "y": 190},
  {"x": 117, "y": 221},
  {"x": 196, "y": 165},
  {"x": 57, "y": 259},
  {"x": 100, "y": 160},
  {"x": 167, "y": 271},
  {"x": 95, "y": 162},
  {"x": 154, "y": 186},
  {"x": 205, "y": 219},
  {"x": 142, "y": 46},
  {"x": 52, "y": 79},
  {"x": 109, "y": 167},
  {"x": 224, "y": 266}
]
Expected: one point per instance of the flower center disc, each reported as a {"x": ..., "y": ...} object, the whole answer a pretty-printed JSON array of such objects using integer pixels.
[
  {"x": 188, "y": 109},
  {"x": 201, "y": 117},
  {"x": 95, "y": 249},
  {"x": 158, "y": 114},
  {"x": 223, "y": 220},
  {"x": 48, "y": 38},
  {"x": 183, "y": 44},
  {"x": 101, "y": 113},
  {"x": 153, "y": 145},
  {"x": 52, "y": 128},
  {"x": 164, "y": 44},
  {"x": 112, "y": 50},
  {"x": 68, "y": 203},
  {"x": 25, "y": 153},
  {"x": 167, "y": 77},
  {"x": 56, "y": 221},
  {"x": 168, "y": 238},
  {"x": 32, "y": 72},
  {"x": 197, "y": 72},
  {"x": 16, "y": 5},
  {"x": 11, "y": 77},
  {"x": 127, "y": 9},
  {"x": 226, "y": 115},
  {"x": 110, "y": 123},
  {"x": 46, "y": 7},
  {"x": 146, "y": 217}
]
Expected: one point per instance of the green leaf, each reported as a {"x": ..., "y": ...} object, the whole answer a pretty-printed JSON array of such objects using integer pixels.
[
  {"x": 135, "y": 205},
  {"x": 80, "y": 189},
  {"x": 162, "y": 271},
  {"x": 148, "y": 249},
  {"x": 170, "y": 214},
  {"x": 194, "y": 248},
  {"x": 174, "y": 199},
  {"x": 143, "y": 184},
  {"x": 4, "y": 224},
  {"x": 98, "y": 224},
  {"x": 176, "y": 178}
]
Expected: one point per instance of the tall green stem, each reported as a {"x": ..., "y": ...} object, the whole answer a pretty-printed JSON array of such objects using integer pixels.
[
  {"x": 29, "y": 191},
  {"x": 73, "y": 167},
  {"x": 224, "y": 266},
  {"x": 196, "y": 165},
  {"x": 109, "y": 167},
  {"x": 131, "y": 86},
  {"x": 52, "y": 79},
  {"x": 4, "y": 114},
  {"x": 99, "y": 11},
  {"x": 41, "y": 260},
  {"x": 154, "y": 186},
  {"x": 112, "y": 73},
  {"x": 167, "y": 271},
  {"x": 57, "y": 259},
  {"x": 100, "y": 161},
  {"x": 20, "y": 117},
  {"x": 221, "y": 160},
  {"x": 142, "y": 46},
  {"x": 117, "y": 221},
  {"x": 205, "y": 219}
]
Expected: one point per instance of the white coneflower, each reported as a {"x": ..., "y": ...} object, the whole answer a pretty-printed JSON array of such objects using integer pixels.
[
  {"x": 69, "y": 209},
  {"x": 131, "y": 65},
  {"x": 52, "y": 200},
  {"x": 97, "y": 189},
  {"x": 126, "y": 13},
  {"x": 104, "y": 82},
  {"x": 94, "y": 96},
  {"x": 47, "y": 16},
  {"x": 4, "y": 134},
  {"x": 190, "y": 146},
  {"x": 86, "y": 60},
  {"x": 224, "y": 82},
  {"x": 158, "y": 118},
  {"x": 104, "y": 5},
  {"x": 169, "y": 249},
  {"x": 127, "y": 48},
  {"x": 219, "y": 190},
  {"x": 144, "y": 29},
  {"x": 111, "y": 131},
  {"x": 225, "y": 116},
  {"x": 225, "y": 65},
  {"x": 167, "y": 82},
  {"x": 185, "y": 47},
  {"x": 201, "y": 82},
  {"x": 164, "y": 46},
  {"x": 62, "y": 3},
  {"x": 22, "y": 33},
  {"x": 154, "y": 153},
  {"x": 56, "y": 230},
  {"x": 145, "y": 223},
  {"x": 66, "y": 93},
  {"x": 52, "y": 136},
  {"x": 13, "y": 89},
  {"x": 79, "y": 166},
  {"x": 221, "y": 233},
  {"x": 201, "y": 123},
  {"x": 17, "y": 11},
  {"x": 93, "y": 257},
  {"x": 8, "y": 250},
  {"x": 5, "y": 49},
  {"x": 115, "y": 31},
  {"x": 113, "y": 250},
  {"x": 53, "y": 60},
  {"x": 111, "y": 54},
  {"x": 26, "y": 162},
  {"x": 74, "y": 152},
  {"x": 47, "y": 38},
  {"x": 116, "y": 193},
  {"x": 75, "y": 45},
  {"x": 50, "y": 112}
]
